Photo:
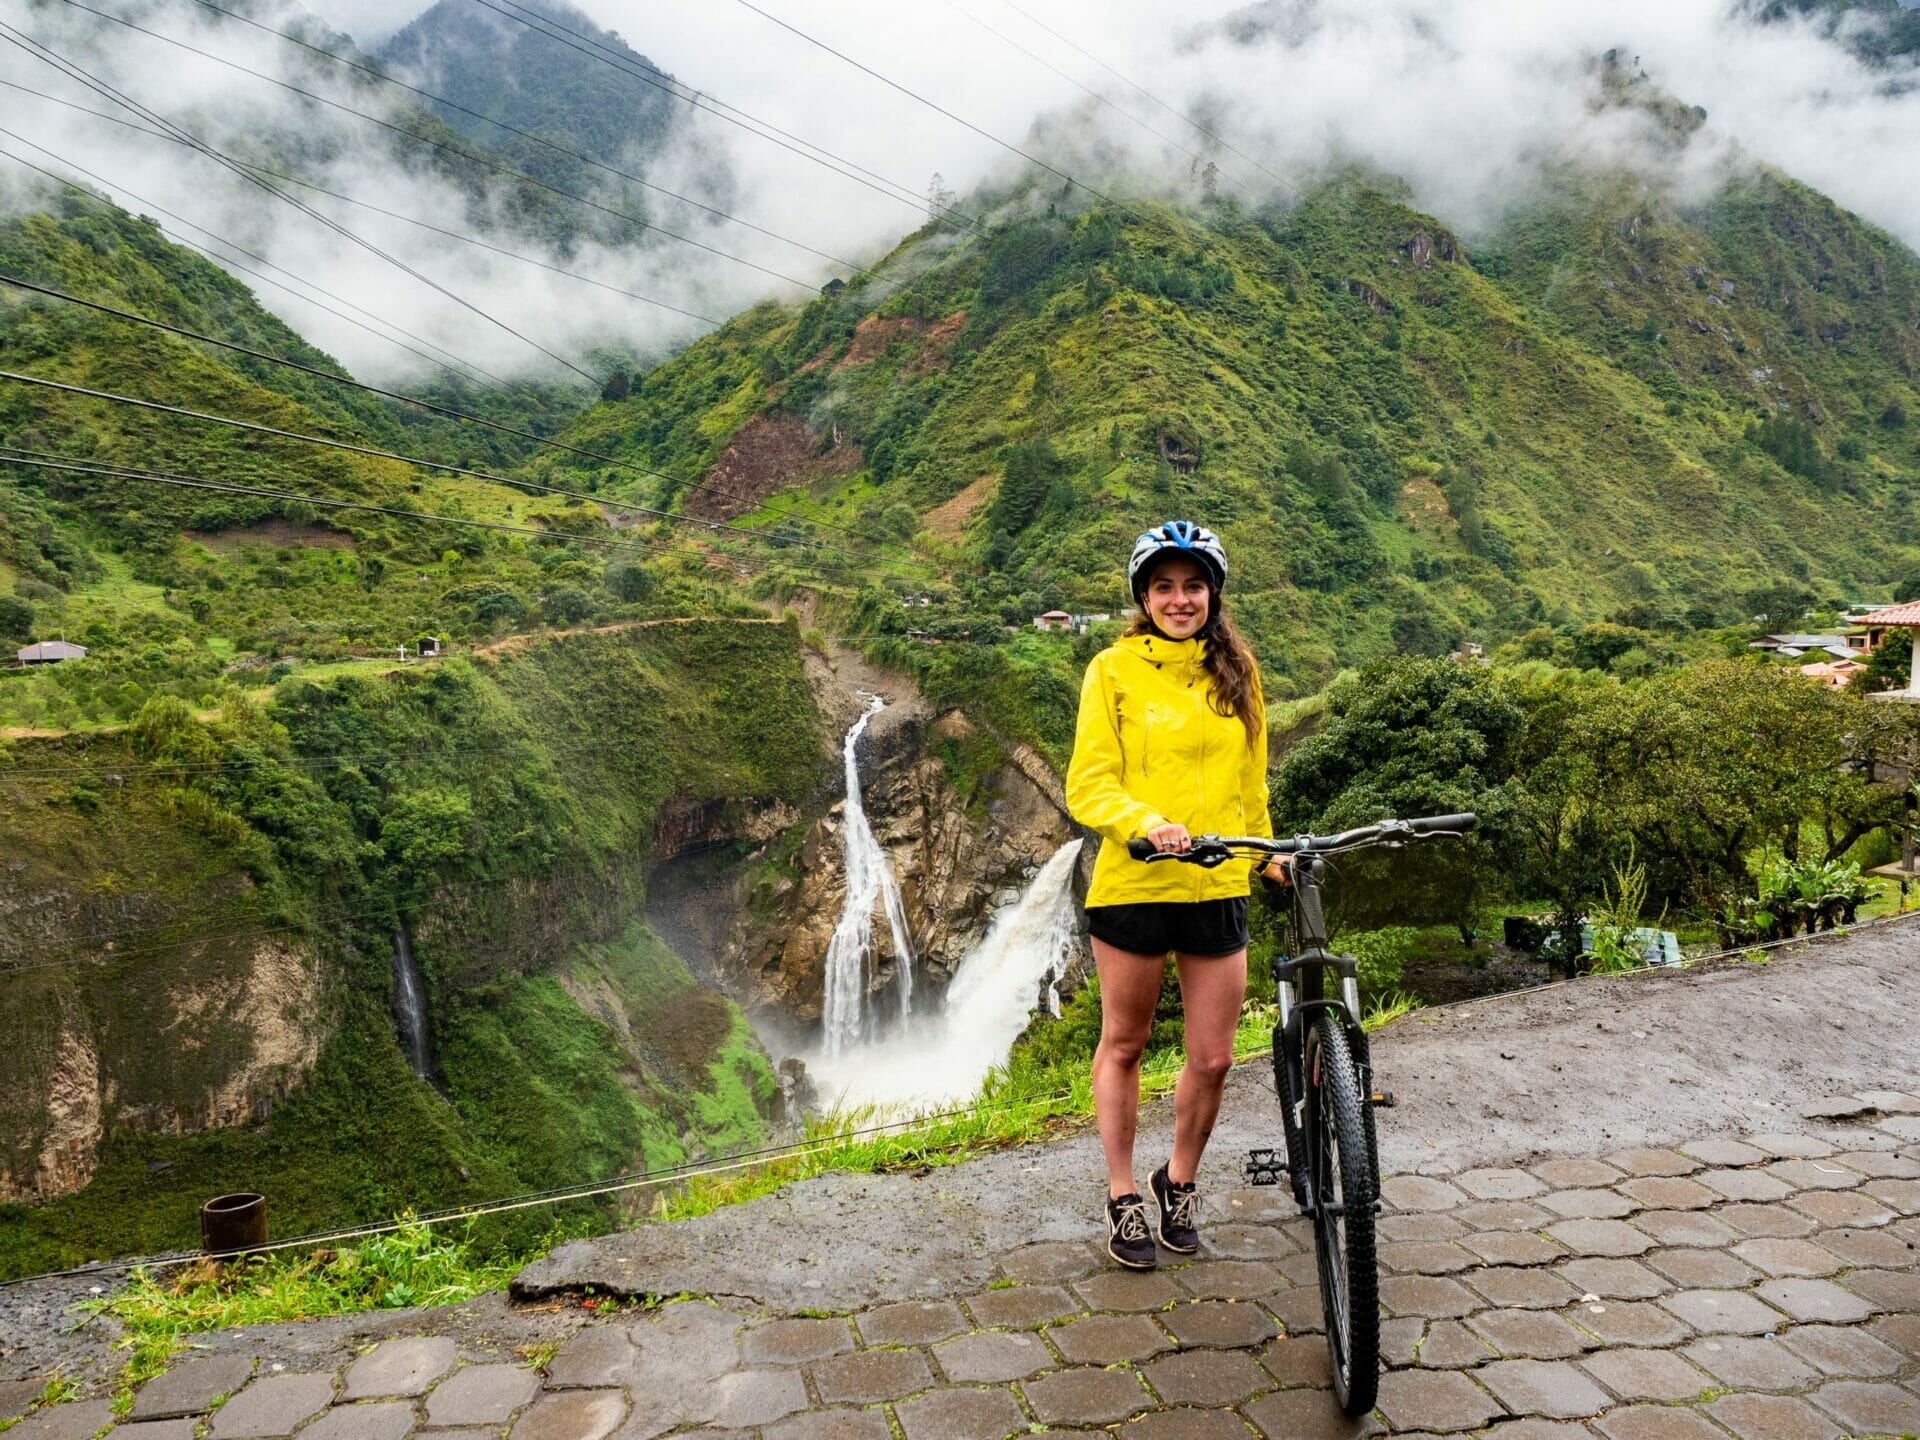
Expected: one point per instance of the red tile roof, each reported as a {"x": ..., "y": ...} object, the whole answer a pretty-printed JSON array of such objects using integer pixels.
[{"x": 1907, "y": 614}]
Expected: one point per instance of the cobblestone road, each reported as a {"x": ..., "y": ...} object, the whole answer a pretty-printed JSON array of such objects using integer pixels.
[{"x": 1763, "y": 1288}]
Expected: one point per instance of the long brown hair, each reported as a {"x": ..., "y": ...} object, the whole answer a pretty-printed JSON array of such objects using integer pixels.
[{"x": 1229, "y": 663}]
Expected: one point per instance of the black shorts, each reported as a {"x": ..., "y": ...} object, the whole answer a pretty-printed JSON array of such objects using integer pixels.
[{"x": 1196, "y": 927}]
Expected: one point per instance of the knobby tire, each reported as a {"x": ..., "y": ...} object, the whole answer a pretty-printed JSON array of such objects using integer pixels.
[{"x": 1341, "y": 1151}]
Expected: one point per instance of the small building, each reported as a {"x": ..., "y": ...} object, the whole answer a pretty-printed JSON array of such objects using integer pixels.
[
  {"x": 1470, "y": 651},
  {"x": 1834, "y": 674},
  {"x": 427, "y": 646},
  {"x": 1079, "y": 623},
  {"x": 49, "y": 652},
  {"x": 1794, "y": 646},
  {"x": 1891, "y": 626},
  {"x": 1053, "y": 620}
]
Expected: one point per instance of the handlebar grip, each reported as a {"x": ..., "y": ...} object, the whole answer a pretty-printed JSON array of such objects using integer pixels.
[
  {"x": 1434, "y": 823},
  {"x": 1142, "y": 849}
]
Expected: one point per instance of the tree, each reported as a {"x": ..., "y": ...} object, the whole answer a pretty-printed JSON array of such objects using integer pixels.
[
  {"x": 940, "y": 199},
  {"x": 629, "y": 581},
  {"x": 16, "y": 619},
  {"x": 1027, "y": 471},
  {"x": 423, "y": 829},
  {"x": 617, "y": 387}
]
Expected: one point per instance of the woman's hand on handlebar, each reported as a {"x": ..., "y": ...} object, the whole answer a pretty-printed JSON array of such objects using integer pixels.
[
  {"x": 1171, "y": 839},
  {"x": 1279, "y": 870}
]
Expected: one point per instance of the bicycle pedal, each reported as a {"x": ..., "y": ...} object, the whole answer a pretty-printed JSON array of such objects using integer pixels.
[
  {"x": 1263, "y": 1168},
  {"x": 1383, "y": 1098}
]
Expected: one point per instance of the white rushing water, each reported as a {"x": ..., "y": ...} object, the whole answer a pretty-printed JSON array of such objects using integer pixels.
[
  {"x": 846, "y": 1017},
  {"x": 927, "y": 1059},
  {"x": 410, "y": 1007}
]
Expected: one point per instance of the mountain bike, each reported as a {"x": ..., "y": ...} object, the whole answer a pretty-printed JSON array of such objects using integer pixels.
[{"x": 1323, "y": 1076}]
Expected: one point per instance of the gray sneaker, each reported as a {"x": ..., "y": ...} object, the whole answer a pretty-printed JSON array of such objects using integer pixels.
[{"x": 1128, "y": 1240}]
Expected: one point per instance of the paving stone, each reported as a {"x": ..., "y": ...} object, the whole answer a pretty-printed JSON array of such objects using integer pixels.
[
  {"x": 1901, "y": 1195},
  {"x": 1225, "y": 1323},
  {"x": 993, "y": 1355},
  {"x": 911, "y": 1322},
  {"x": 1238, "y": 1279},
  {"x": 1186, "y": 1425},
  {"x": 392, "y": 1419},
  {"x": 1426, "y": 1296},
  {"x": 1723, "y": 1312},
  {"x": 1761, "y": 1219},
  {"x": 1613, "y": 1279},
  {"x": 1513, "y": 1247},
  {"x": 1574, "y": 1173},
  {"x": 1723, "y": 1152},
  {"x": 1866, "y": 1407},
  {"x": 1108, "y": 1339},
  {"x": 1298, "y": 1310},
  {"x": 1129, "y": 1290},
  {"x": 1588, "y": 1204},
  {"x": 1693, "y": 1269},
  {"x": 181, "y": 1429},
  {"x": 1646, "y": 1374},
  {"x": 1882, "y": 1249},
  {"x": 1310, "y": 1415},
  {"x": 1439, "y": 1400},
  {"x": 1902, "y": 1332},
  {"x": 1896, "y": 1290},
  {"x": 681, "y": 1347},
  {"x": 479, "y": 1395},
  {"x": 1656, "y": 1422},
  {"x": 277, "y": 1404},
  {"x": 1420, "y": 1192},
  {"x": 1300, "y": 1270},
  {"x": 1601, "y": 1237},
  {"x": 1423, "y": 1257},
  {"x": 1668, "y": 1192},
  {"x": 745, "y": 1399},
  {"x": 1624, "y": 1323},
  {"x": 1814, "y": 1300},
  {"x": 1450, "y": 1345},
  {"x": 959, "y": 1415},
  {"x": 1499, "y": 1184},
  {"x": 1520, "y": 1287},
  {"x": 190, "y": 1388},
  {"x": 1049, "y": 1263},
  {"x": 1501, "y": 1215},
  {"x": 481, "y": 1432},
  {"x": 1094, "y": 1397},
  {"x": 1304, "y": 1361},
  {"x": 1651, "y": 1161},
  {"x": 795, "y": 1342},
  {"x": 409, "y": 1366},
  {"x": 862, "y": 1425},
  {"x": 1020, "y": 1308},
  {"x": 598, "y": 1355},
  {"x": 17, "y": 1395},
  {"x": 75, "y": 1420},
  {"x": 1843, "y": 1350},
  {"x": 1749, "y": 1363},
  {"x": 1527, "y": 1334},
  {"x": 1543, "y": 1387},
  {"x": 871, "y": 1375},
  {"x": 1789, "y": 1257},
  {"x": 1532, "y": 1427},
  {"x": 1880, "y": 1164},
  {"x": 1246, "y": 1242},
  {"x": 1892, "y": 1102},
  {"x": 1790, "y": 1147},
  {"x": 1206, "y": 1377},
  {"x": 1772, "y": 1417},
  {"x": 1815, "y": 1174},
  {"x": 1745, "y": 1184},
  {"x": 1842, "y": 1207},
  {"x": 1413, "y": 1225}
]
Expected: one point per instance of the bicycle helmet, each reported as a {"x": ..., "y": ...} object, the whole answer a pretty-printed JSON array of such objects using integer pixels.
[{"x": 1180, "y": 537}]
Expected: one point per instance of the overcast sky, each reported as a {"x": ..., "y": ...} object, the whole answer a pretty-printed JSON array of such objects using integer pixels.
[{"x": 1464, "y": 99}]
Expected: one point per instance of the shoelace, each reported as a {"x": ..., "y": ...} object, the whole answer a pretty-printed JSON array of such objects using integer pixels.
[
  {"x": 1130, "y": 1222},
  {"x": 1181, "y": 1211}
]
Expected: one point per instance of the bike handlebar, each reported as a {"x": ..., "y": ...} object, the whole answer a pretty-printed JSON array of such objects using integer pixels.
[{"x": 1210, "y": 850}]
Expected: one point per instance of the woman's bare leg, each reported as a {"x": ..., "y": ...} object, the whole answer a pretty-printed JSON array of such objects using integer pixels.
[
  {"x": 1129, "y": 986},
  {"x": 1212, "y": 989}
]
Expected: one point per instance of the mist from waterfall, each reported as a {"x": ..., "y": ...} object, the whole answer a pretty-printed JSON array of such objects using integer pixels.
[
  {"x": 846, "y": 1016},
  {"x": 410, "y": 1007},
  {"x": 928, "y": 1059}
]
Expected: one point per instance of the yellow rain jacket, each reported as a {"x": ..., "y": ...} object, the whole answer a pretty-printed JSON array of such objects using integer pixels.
[{"x": 1150, "y": 750}]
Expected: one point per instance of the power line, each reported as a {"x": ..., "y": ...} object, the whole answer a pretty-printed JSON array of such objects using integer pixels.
[
  {"x": 378, "y": 454},
  {"x": 1141, "y": 89},
  {"x": 935, "y": 106},
  {"x": 518, "y": 175},
  {"x": 786, "y": 140},
  {"x": 465, "y": 369},
  {"x": 100, "y": 87},
  {"x": 538, "y": 139}
]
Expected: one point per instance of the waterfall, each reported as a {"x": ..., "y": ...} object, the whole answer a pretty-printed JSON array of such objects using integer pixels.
[
  {"x": 1013, "y": 971},
  {"x": 869, "y": 878},
  {"x": 410, "y": 1006}
]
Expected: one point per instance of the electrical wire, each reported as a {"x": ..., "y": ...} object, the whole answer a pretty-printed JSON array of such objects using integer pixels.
[
  {"x": 537, "y": 138},
  {"x": 645, "y": 73}
]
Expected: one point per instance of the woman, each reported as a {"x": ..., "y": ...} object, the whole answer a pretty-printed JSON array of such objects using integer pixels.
[{"x": 1171, "y": 740}]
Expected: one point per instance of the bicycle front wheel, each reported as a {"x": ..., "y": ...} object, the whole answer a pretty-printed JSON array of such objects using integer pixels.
[{"x": 1345, "y": 1187}]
